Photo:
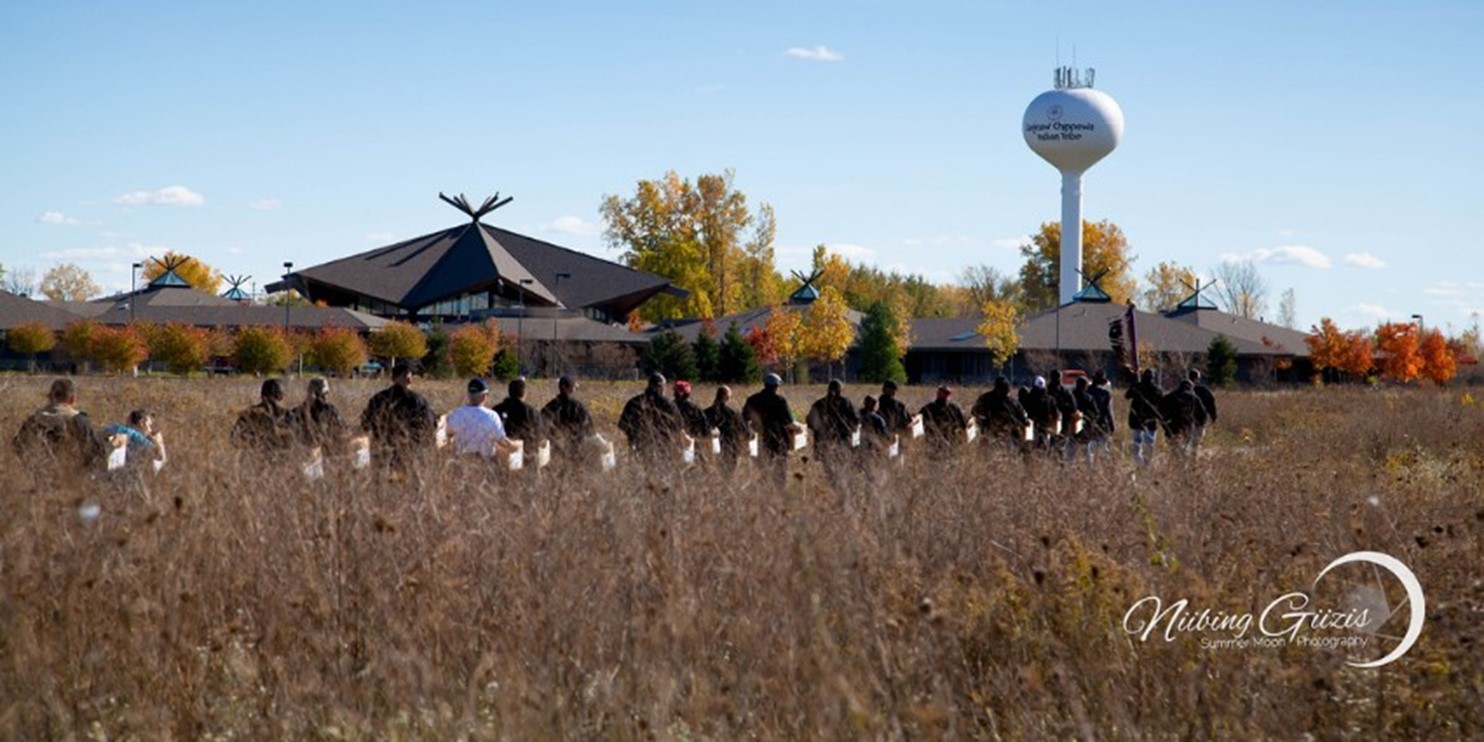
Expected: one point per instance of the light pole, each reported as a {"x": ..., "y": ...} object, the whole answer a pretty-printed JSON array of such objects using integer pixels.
[
  {"x": 520, "y": 320},
  {"x": 555, "y": 310},
  {"x": 288, "y": 268},
  {"x": 133, "y": 289},
  {"x": 1420, "y": 327}
]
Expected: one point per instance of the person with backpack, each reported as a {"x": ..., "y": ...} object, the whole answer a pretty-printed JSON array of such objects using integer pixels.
[
  {"x": 833, "y": 421},
  {"x": 652, "y": 423},
  {"x": 1144, "y": 416},
  {"x": 59, "y": 437},
  {"x": 401, "y": 423},
  {"x": 769, "y": 414},
  {"x": 1000, "y": 417}
]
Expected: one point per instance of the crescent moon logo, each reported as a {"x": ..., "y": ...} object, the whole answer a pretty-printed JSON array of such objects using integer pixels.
[{"x": 1417, "y": 603}]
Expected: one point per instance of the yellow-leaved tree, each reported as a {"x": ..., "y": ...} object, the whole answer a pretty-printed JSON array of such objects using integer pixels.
[
  {"x": 1166, "y": 285},
  {"x": 1104, "y": 250},
  {"x": 999, "y": 329},
  {"x": 782, "y": 337},
  {"x": 826, "y": 332},
  {"x": 399, "y": 340},
  {"x": 199, "y": 275}
]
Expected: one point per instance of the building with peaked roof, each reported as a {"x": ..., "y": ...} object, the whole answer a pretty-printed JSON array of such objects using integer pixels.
[
  {"x": 18, "y": 310},
  {"x": 473, "y": 269}
]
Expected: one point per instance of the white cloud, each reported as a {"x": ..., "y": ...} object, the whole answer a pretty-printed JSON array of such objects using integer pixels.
[
  {"x": 378, "y": 236},
  {"x": 1282, "y": 255},
  {"x": 1008, "y": 243},
  {"x": 850, "y": 251},
  {"x": 236, "y": 250},
  {"x": 56, "y": 217},
  {"x": 133, "y": 251},
  {"x": 1374, "y": 311},
  {"x": 574, "y": 225},
  {"x": 1364, "y": 260},
  {"x": 167, "y": 196},
  {"x": 265, "y": 204},
  {"x": 819, "y": 53}
]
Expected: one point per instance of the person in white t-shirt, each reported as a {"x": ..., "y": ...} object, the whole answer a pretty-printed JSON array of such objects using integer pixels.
[{"x": 477, "y": 429}]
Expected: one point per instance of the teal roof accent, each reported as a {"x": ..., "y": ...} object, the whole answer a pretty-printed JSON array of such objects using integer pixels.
[
  {"x": 1091, "y": 293},
  {"x": 236, "y": 294},
  {"x": 805, "y": 294},
  {"x": 169, "y": 278}
]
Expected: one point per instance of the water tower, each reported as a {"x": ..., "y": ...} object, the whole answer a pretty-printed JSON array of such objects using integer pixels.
[{"x": 1072, "y": 127}]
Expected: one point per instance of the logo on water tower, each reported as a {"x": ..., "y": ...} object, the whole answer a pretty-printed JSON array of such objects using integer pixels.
[{"x": 1053, "y": 113}]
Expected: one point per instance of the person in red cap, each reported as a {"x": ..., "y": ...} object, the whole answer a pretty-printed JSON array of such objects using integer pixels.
[
  {"x": 694, "y": 419},
  {"x": 944, "y": 424}
]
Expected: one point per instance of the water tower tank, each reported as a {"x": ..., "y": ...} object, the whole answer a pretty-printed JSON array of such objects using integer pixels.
[{"x": 1072, "y": 127}]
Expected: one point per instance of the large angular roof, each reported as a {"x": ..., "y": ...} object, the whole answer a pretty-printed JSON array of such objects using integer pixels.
[
  {"x": 1279, "y": 339},
  {"x": 19, "y": 310},
  {"x": 471, "y": 257}
]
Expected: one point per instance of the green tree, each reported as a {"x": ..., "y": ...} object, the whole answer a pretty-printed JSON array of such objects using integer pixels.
[
  {"x": 691, "y": 233},
  {"x": 1104, "y": 248},
  {"x": 881, "y": 357},
  {"x": 31, "y": 339},
  {"x": 670, "y": 355},
  {"x": 506, "y": 366},
  {"x": 1221, "y": 361},
  {"x": 399, "y": 340},
  {"x": 736, "y": 362},
  {"x": 708, "y": 356},
  {"x": 68, "y": 282},
  {"x": 261, "y": 350},
  {"x": 337, "y": 349},
  {"x": 199, "y": 275}
]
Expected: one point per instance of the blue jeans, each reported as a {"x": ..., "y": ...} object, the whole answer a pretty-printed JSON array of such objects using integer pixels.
[{"x": 1144, "y": 445}]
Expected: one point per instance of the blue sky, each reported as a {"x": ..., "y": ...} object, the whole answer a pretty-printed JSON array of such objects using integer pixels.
[{"x": 1336, "y": 143}]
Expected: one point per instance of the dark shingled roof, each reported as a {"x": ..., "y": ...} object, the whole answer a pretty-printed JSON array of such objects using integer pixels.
[
  {"x": 19, "y": 310},
  {"x": 474, "y": 256},
  {"x": 1278, "y": 339},
  {"x": 233, "y": 314},
  {"x": 568, "y": 327},
  {"x": 1084, "y": 327}
]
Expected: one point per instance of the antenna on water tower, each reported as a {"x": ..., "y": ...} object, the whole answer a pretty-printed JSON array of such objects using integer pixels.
[{"x": 1072, "y": 127}]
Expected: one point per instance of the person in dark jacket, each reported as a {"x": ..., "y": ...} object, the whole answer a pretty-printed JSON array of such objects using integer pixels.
[
  {"x": 1066, "y": 406},
  {"x": 1208, "y": 400},
  {"x": 317, "y": 423},
  {"x": 652, "y": 423},
  {"x": 876, "y": 441},
  {"x": 731, "y": 426},
  {"x": 1041, "y": 408},
  {"x": 58, "y": 438},
  {"x": 568, "y": 421},
  {"x": 400, "y": 421},
  {"x": 768, "y": 413},
  {"x": 1183, "y": 414},
  {"x": 1102, "y": 424},
  {"x": 1001, "y": 418},
  {"x": 266, "y": 427},
  {"x": 522, "y": 421},
  {"x": 833, "y": 421},
  {"x": 944, "y": 424},
  {"x": 693, "y": 420},
  {"x": 898, "y": 419},
  {"x": 1144, "y": 417}
]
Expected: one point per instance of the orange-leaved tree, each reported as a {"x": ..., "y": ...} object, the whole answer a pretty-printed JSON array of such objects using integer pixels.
[
  {"x": 472, "y": 348},
  {"x": 1396, "y": 343},
  {"x": 782, "y": 330},
  {"x": 1438, "y": 362},
  {"x": 337, "y": 349},
  {"x": 1327, "y": 345},
  {"x": 117, "y": 349},
  {"x": 182, "y": 348}
]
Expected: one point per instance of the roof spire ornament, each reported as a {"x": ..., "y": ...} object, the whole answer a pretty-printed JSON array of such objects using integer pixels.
[{"x": 461, "y": 202}]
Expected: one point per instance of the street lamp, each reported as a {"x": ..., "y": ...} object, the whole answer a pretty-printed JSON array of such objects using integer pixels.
[
  {"x": 1420, "y": 327},
  {"x": 555, "y": 310},
  {"x": 520, "y": 320},
  {"x": 133, "y": 289},
  {"x": 288, "y": 268}
]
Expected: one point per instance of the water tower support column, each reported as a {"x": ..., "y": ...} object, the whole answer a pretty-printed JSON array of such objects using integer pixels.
[{"x": 1070, "y": 281}]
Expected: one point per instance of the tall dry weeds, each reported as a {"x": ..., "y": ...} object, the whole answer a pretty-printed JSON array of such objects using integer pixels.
[{"x": 978, "y": 599}]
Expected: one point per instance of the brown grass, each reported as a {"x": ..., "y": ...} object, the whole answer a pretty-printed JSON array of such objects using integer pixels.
[{"x": 981, "y": 599}]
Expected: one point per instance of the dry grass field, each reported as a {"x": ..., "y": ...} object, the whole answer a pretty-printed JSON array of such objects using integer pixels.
[{"x": 982, "y": 597}]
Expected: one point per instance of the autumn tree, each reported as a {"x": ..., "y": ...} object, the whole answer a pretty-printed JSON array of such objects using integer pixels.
[
  {"x": 826, "y": 332},
  {"x": 1000, "y": 329},
  {"x": 472, "y": 348},
  {"x": 880, "y": 356},
  {"x": 182, "y": 348},
  {"x": 1360, "y": 354},
  {"x": 116, "y": 349},
  {"x": 337, "y": 349},
  {"x": 1327, "y": 345},
  {"x": 761, "y": 284},
  {"x": 68, "y": 282},
  {"x": 1240, "y": 289},
  {"x": 1438, "y": 362},
  {"x": 1397, "y": 346},
  {"x": 782, "y": 337},
  {"x": 77, "y": 339},
  {"x": 983, "y": 283},
  {"x": 691, "y": 233},
  {"x": 736, "y": 360},
  {"x": 199, "y": 275},
  {"x": 1104, "y": 250},
  {"x": 261, "y": 350},
  {"x": 1165, "y": 286},
  {"x": 31, "y": 339},
  {"x": 399, "y": 340}
]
